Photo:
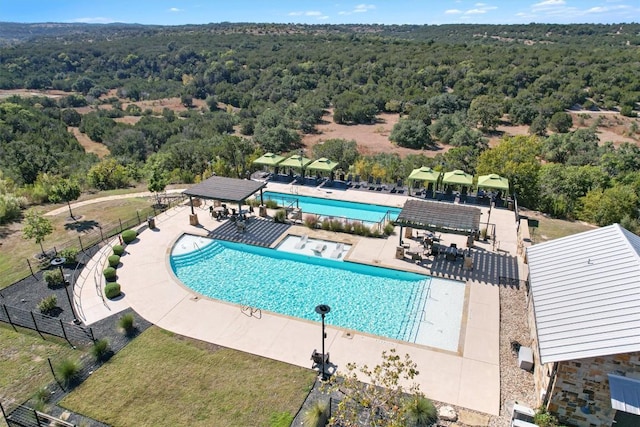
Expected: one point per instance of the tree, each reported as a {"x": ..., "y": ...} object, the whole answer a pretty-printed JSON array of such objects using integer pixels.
[
  {"x": 339, "y": 150},
  {"x": 36, "y": 227},
  {"x": 108, "y": 174},
  {"x": 486, "y": 112},
  {"x": 65, "y": 190},
  {"x": 157, "y": 180},
  {"x": 515, "y": 158},
  {"x": 381, "y": 396},
  {"x": 560, "y": 122},
  {"x": 411, "y": 134},
  {"x": 609, "y": 206}
]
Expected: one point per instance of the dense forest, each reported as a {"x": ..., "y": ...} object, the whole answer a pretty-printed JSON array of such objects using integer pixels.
[{"x": 264, "y": 86}]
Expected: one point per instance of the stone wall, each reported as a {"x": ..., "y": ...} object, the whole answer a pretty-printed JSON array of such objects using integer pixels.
[
  {"x": 581, "y": 393},
  {"x": 541, "y": 373}
]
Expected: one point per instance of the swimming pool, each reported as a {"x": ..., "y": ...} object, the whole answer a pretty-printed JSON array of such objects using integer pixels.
[
  {"x": 336, "y": 208},
  {"x": 389, "y": 303}
]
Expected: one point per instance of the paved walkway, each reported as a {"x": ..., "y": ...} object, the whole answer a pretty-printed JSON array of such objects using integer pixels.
[{"x": 468, "y": 378}]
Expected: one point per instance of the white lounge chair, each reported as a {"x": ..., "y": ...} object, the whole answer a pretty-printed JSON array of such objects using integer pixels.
[
  {"x": 301, "y": 242},
  {"x": 319, "y": 248},
  {"x": 337, "y": 252}
]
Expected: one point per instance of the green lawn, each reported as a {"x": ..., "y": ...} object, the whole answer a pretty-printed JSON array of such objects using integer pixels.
[
  {"x": 164, "y": 379},
  {"x": 551, "y": 228},
  {"x": 23, "y": 362},
  {"x": 16, "y": 250}
]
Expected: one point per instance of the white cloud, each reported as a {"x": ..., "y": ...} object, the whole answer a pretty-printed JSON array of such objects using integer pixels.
[
  {"x": 546, "y": 4},
  {"x": 364, "y": 8},
  {"x": 313, "y": 13},
  {"x": 597, "y": 9},
  {"x": 295, "y": 13},
  {"x": 452, "y": 12},
  {"x": 475, "y": 12},
  {"x": 175, "y": 9},
  {"x": 480, "y": 4}
]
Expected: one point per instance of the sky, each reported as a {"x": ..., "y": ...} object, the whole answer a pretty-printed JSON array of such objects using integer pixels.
[{"x": 431, "y": 12}]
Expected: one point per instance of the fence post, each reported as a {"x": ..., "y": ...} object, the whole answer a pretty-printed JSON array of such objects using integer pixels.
[
  {"x": 138, "y": 215},
  {"x": 93, "y": 338},
  {"x": 80, "y": 240},
  {"x": 9, "y": 317},
  {"x": 120, "y": 221},
  {"x": 35, "y": 415},
  {"x": 35, "y": 324},
  {"x": 30, "y": 268},
  {"x": 64, "y": 332},
  {"x": 4, "y": 414},
  {"x": 101, "y": 235},
  {"x": 53, "y": 372}
]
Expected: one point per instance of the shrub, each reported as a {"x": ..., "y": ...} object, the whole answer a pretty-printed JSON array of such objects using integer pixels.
[
  {"x": 253, "y": 202},
  {"x": 311, "y": 221},
  {"x": 126, "y": 323},
  {"x": 316, "y": 415},
  {"x": 421, "y": 412},
  {"x": 69, "y": 255},
  {"x": 280, "y": 216},
  {"x": 114, "y": 260},
  {"x": 109, "y": 273},
  {"x": 543, "y": 418},
  {"x": 41, "y": 397},
  {"x": 48, "y": 303},
  {"x": 111, "y": 290},
  {"x": 100, "y": 350},
  {"x": 337, "y": 226},
  {"x": 326, "y": 224},
  {"x": 271, "y": 204},
  {"x": 118, "y": 250},
  {"x": 388, "y": 229},
  {"x": 53, "y": 277},
  {"x": 360, "y": 229},
  {"x": 69, "y": 371},
  {"x": 129, "y": 236}
]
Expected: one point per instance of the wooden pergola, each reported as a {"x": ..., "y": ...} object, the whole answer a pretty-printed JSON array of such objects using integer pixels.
[
  {"x": 232, "y": 190},
  {"x": 439, "y": 216}
]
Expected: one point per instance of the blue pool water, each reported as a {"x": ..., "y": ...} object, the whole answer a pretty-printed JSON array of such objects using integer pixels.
[
  {"x": 329, "y": 207},
  {"x": 369, "y": 299}
]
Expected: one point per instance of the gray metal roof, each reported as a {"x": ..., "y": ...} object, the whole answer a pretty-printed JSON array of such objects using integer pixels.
[
  {"x": 439, "y": 216},
  {"x": 226, "y": 189},
  {"x": 586, "y": 294}
]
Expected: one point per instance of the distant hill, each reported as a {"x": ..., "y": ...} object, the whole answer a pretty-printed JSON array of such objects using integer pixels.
[{"x": 629, "y": 33}]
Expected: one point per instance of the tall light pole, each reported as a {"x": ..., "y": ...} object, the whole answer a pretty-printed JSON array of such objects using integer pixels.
[
  {"x": 58, "y": 262},
  {"x": 323, "y": 310},
  {"x": 301, "y": 170}
]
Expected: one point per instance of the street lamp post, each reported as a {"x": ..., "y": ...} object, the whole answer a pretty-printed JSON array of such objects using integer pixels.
[
  {"x": 323, "y": 310},
  {"x": 58, "y": 262}
]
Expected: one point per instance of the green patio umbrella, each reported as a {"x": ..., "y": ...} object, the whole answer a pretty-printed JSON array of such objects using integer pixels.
[
  {"x": 424, "y": 173},
  {"x": 457, "y": 177},
  {"x": 269, "y": 159},
  {"x": 296, "y": 161},
  {"x": 493, "y": 181},
  {"x": 323, "y": 165}
]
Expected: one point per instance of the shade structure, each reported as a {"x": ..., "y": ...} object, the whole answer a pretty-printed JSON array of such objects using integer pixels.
[
  {"x": 493, "y": 181},
  {"x": 322, "y": 165},
  {"x": 296, "y": 161},
  {"x": 457, "y": 177},
  {"x": 424, "y": 174},
  {"x": 269, "y": 159}
]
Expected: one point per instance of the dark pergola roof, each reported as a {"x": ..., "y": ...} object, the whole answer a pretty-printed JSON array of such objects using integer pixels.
[
  {"x": 439, "y": 216},
  {"x": 226, "y": 189}
]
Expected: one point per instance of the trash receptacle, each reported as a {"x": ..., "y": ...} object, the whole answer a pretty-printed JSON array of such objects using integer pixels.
[
  {"x": 151, "y": 221},
  {"x": 399, "y": 252},
  {"x": 262, "y": 211}
]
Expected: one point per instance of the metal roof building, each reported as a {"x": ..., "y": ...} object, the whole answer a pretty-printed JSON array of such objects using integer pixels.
[{"x": 586, "y": 294}]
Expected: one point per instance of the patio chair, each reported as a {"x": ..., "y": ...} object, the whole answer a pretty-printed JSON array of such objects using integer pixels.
[
  {"x": 357, "y": 182},
  {"x": 349, "y": 180},
  {"x": 318, "y": 249},
  {"x": 370, "y": 183},
  {"x": 337, "y": 252},
  {"x": 317, "y": 358},
  {"x": 302, "y": 242}
]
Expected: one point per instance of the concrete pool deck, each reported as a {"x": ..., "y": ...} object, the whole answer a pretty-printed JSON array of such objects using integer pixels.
[{"x": 469, "y": 378}]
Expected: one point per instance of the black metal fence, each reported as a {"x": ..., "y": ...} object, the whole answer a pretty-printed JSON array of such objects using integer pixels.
[
  {"x": 43, "y": 324},
  {"x": 98, "y": 233}
]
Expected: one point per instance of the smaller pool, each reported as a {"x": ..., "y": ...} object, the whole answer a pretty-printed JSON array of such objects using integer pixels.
[
  {"x": 314, "y": 247},
  {"x": 364, "y": 212}
]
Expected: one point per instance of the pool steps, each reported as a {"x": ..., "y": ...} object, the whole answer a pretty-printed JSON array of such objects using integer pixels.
[{"x": 193, "y": 257}]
